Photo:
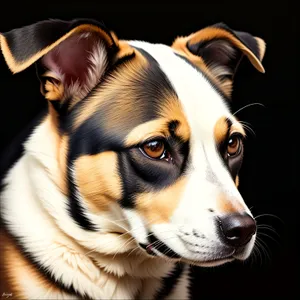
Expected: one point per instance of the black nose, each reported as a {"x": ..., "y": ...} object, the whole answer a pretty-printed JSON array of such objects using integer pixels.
[{"x": 237, "y": 228}]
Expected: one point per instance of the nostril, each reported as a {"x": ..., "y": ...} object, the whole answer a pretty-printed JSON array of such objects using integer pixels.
[
  {"x": 234, "y": 233},
  {"x": 237, "y": 229}
]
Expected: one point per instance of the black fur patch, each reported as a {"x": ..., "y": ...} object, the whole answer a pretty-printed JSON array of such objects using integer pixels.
[
  {"x": 15, "y": 149},
  {"x": 214, "y": 51},
  {"x": 75, "y": 208},
  {"x": 27, "y": 41},
  {"x": 244, "y": 37},
  {"x": 169, "y": 282}
]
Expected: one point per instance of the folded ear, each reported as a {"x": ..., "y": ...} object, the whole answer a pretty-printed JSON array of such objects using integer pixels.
[
  {"x": 72, "y": 56},
  {"x": 219, "y": 50}
]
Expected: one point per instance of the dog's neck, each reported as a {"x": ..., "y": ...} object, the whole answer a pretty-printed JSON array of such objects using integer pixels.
[{"x": 104, "y": 261}]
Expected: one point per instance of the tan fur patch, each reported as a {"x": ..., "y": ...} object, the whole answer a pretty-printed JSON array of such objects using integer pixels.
[
  {"x": 172, "y": 107},
  {"x": 124, "y": 50},
  {"x": 237, "y": 181},
  {"x": 15, "y": 267},
  {"x": 225, "y": 205},
  {"x": 62, "y": 162},
  {"x": 53, "y": 90},
  {"x": 155, "y": 128},
  {"x": 159, "y": 127},
  {"x": 261, "y": 46},
  {"x": 221, "y": 130},
  {"x": 98, "y": 180},
  {"x": 114, "y": 85},
  {"x": 158, "y": 207},
  {"x": 18, "y": 66},
  {"x": 58, "y": 169}
]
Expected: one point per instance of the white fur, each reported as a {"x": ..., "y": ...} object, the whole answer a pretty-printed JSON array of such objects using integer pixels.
[{"x": 207, "y": 176}]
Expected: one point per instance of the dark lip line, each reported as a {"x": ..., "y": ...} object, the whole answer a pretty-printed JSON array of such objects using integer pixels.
[
  {"x": 148, "y": 248},
  {"x": 231, "y": 257},
  {"x": 153, "y": 240},
  {"x": 218, "y": 259},
  {"x": 160, "y": 246}
]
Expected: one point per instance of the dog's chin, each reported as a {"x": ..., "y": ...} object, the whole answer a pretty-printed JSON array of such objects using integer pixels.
[
  {"x": 238, "y": 255},
  {"x": 153, "y": 252},
  {"x": 209, "y": 263}
]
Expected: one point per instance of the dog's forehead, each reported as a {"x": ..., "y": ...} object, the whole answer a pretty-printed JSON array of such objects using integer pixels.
[
  {"x": 202, "y": 104},
  {"x": 144, "y": 96}
]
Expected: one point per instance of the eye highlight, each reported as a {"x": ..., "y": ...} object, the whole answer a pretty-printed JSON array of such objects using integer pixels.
[
  {"x": 154, "y": 149},
  {"x": 234, "y": 144}
]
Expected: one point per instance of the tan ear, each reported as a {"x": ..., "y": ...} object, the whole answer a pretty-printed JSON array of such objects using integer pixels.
[
  {"x": 72, "y": 56},
  {"x": 219, "y": 49}
]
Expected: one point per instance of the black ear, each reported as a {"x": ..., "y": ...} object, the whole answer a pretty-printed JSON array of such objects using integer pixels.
[
  {"x": 72, "y": 56},
  {"x": 221, "y": 49}
]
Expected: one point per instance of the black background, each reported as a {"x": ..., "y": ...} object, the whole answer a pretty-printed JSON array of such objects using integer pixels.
[{"x": 268, "y": 176}]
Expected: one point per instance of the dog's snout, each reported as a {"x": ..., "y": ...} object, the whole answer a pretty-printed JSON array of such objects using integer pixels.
[{"x": 237, "y": 229}]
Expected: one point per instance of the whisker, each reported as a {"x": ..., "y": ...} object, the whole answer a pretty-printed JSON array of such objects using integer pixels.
[
  {"x": 124, "y": 245},
  {"x": 132, "y": 238},
  {"x": 264, "y": 248},
  {"x": 120, "y": 236},
  {"x": 260, "y": 252},
  {"x": 107, "y": 243},
  {"x": 134, "y": 249},
  {"x": 257, "y": 254},
  {"x": 253, "y": 256},
  {"x": 248, "y": 128},
  {"x": 269, "y": 215},
  {"x": 251, "y": 104},
  {"x": 273, "y": 239},
  {"x": 268, "y": 228}
]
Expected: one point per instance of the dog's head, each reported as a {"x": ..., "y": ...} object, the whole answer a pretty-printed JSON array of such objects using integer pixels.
[{"x": 149, "y": 140}]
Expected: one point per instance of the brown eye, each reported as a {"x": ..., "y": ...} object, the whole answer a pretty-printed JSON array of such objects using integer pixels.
[
  {"x": 154, "y": 149},
  {"x": 234, "y": 145}
]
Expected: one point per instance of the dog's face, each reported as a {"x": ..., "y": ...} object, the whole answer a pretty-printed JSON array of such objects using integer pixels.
[{"x": 150, "y": 139}]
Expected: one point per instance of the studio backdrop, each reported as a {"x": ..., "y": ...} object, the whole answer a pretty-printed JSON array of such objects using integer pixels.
[{"x": 266, "y": 103}]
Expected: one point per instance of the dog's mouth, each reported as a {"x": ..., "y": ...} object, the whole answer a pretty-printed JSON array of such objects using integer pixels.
[{"x": 156, "y": 247}]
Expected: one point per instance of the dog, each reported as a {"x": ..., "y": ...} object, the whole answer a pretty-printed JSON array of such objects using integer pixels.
[{"x": 131, "y": 175}]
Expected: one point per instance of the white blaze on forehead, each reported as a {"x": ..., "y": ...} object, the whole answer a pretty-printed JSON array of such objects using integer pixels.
[
  {"x": 203, "y": 107},
  {"x": 201, "y": 103}
]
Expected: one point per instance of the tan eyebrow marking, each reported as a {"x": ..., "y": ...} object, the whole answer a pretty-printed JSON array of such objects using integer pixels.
[
  {"x": 225, "y": 126},
  {"x": 221, "y": 130}
]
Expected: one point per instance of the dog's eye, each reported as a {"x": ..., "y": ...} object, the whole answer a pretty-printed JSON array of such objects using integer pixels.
[
  {"x": 154, "y": 149},
  {"x": 234, "y": 144}
]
